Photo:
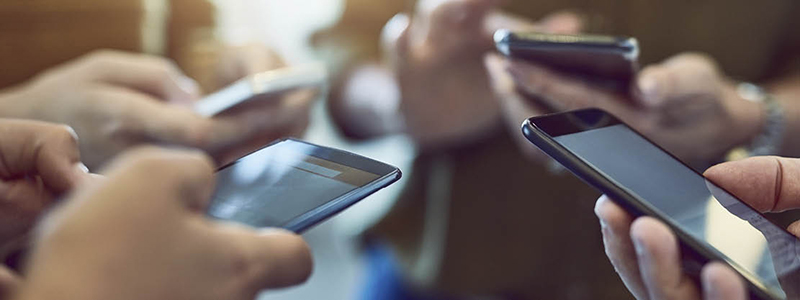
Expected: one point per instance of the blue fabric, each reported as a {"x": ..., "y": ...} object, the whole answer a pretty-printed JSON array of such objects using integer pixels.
[{"x": 383, "y": 280}]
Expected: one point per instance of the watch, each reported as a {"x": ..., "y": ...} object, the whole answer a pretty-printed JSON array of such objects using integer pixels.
[{"x": 769, "y": 139}]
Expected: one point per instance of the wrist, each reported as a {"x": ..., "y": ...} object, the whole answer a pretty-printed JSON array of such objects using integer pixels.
[
  {"x": 763, "y": 122},
  {"x": 749, "y": 120}
]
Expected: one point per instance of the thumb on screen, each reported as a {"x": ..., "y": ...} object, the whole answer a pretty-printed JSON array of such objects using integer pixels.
[{"x": 768, "y": 183}]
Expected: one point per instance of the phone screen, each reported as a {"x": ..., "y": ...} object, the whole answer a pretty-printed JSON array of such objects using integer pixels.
[
  {"x": 761, "y": 251},
  {"x": 278, "y": 184}
]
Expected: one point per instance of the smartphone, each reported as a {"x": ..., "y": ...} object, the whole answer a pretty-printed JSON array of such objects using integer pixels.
[
  {"x": 259, "y": 87},
  {"x": 295, "y": 185},
  {"x": 710, "y": 223},
  {"x": 606, "y": 60}
]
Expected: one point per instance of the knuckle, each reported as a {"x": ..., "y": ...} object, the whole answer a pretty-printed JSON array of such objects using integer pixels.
[
  {"x": 163, "y": 66},
  {"x": 101, "y": 58},
  {"x": 65, "y": 133}
]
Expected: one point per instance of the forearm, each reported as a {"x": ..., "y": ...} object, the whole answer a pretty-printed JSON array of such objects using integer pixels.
[{"x": 365, "y": 103}]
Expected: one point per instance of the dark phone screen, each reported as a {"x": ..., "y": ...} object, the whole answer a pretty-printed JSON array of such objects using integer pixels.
[
  {"x": 279, "y": 183},
  {"x": 761, "y": 251}
]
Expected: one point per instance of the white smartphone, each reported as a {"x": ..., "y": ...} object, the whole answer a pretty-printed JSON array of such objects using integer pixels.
[{"x": 255, "y": 87}]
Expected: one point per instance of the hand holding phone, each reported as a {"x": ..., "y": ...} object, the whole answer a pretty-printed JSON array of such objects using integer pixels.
[
  {"x": 608, "y": 61},
  {"x": 686, "y": 104},
  {"x": 259, "y": 87},
  {"x": 710, "y": 223}
]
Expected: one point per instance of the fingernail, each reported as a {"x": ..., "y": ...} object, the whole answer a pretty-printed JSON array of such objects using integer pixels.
[
  {"x": 82, "y": 167},
  {"x": 649, "y": 88},
  {"x": 189, "y": 86}
]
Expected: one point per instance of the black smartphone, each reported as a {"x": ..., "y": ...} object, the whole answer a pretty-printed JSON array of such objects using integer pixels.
[
  {"x": 295, "y": 185},
  {"x": 711, "y": 223},
  {"x": 608, "y": 61}
]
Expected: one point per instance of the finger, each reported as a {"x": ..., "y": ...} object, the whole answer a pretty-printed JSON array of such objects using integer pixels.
[
  {"x": 721, "y": 283},
  {"x": 10, "y": 283},
  {"x": 460, "y": 22},
  {"x": 660, "y": 261},
  {"x": 515, "y": 109},
  {"x": 267, "y": 119},
  {"x": 136, "y": 117},
  {"x": 794, "y": 228},
  {"x": 247, "y": 59},
  {"x": 677, "y": 78},
  {"x": 395, "y": 38},
  {"x": 615, "y": 225},
  {"x": 30, "y": 148},
  {"x": 145, "y": 177},
  {"x": 270, "y": 258},
  {"x": 562, "y": 92},
  {"x": 564, "y": 22},
  {"x": 497, "y": 20},
  {"x": 767, "y": 183},
  {"x": 153, "y": 75},
  {"x": 22, "y": 201},
  {"x": 58, "y": 159}
]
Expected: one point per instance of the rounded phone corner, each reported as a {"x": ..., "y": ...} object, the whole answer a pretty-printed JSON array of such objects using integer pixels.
[{"x": 501, "y": 41}]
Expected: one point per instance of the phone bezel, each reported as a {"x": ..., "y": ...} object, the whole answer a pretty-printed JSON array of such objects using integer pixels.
[
  {"x": 541, "y": 138},
  {"x": 506, "y": 40},
  {"x": 387, "y": 174},
  {"x": 605, "y": 61}
]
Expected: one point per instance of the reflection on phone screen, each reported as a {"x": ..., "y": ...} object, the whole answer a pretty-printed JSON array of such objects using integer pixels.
[
  {"x": 764, "y": 253},
  {"x": 277, "y": 184}
]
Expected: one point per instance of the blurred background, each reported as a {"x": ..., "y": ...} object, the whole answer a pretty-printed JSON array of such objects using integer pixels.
[
  {"x": 480, "y": 213},
  {"x": 288, "y": 26}
]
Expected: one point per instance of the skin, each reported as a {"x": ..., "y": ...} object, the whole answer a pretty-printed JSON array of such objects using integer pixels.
[
  {"x": 157, "y": 242},
  {"x": 431, "y": 64},
  {"x": 676, "y": 103},
  {"x": 116, "y": 100},
  {"x": 39, "y": 162},
  {"x": 645, "y": 252}
]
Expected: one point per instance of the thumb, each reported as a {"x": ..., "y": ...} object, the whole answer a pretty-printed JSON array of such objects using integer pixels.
[
  {"x": 10, "y": 283},
  {"x": 767, "y": 183},
  {"x": 563, "y": 22},
  {"x": 455, "y": 22},
  {"x": 394, "y": 37},
  {"x": 684, "y": 74}
]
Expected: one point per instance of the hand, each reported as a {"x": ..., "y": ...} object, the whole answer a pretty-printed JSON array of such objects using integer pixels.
[
  {"x": 39, "y": 162},
  {"x": 143, "y": 234},
  {"x": 236, "y": 62},
  {"x": 289, "y": 115},
  {"x": 684, "y": 104},
  {"x": 436, "y": 57},
  {"x": 645, "y": 252},
  {"x": 117, "y": 100}
]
